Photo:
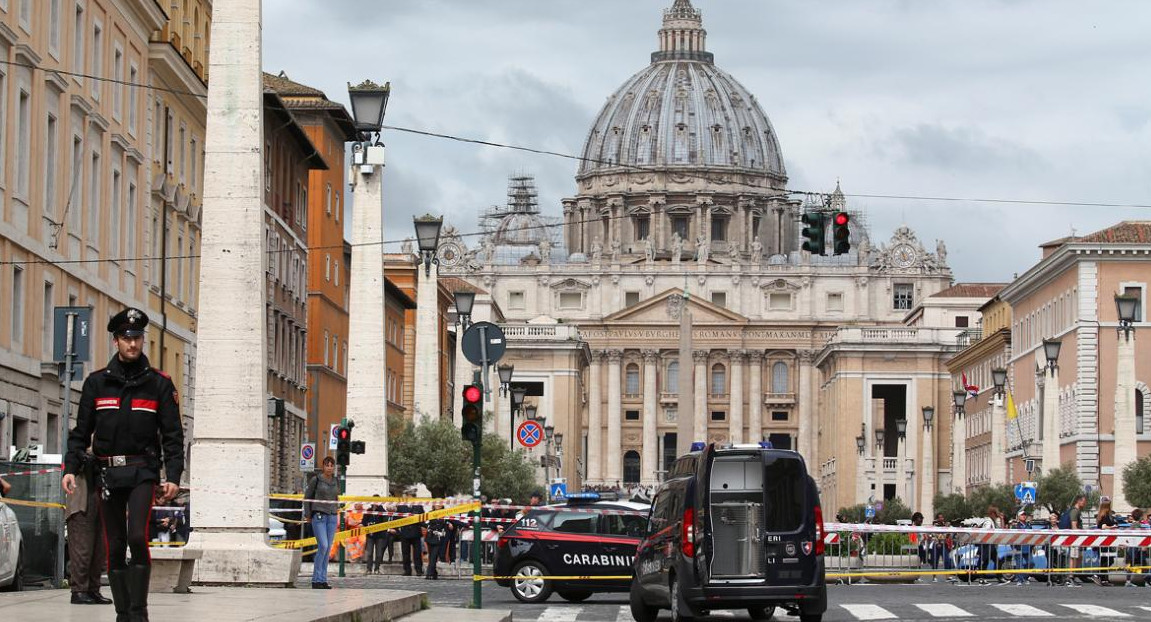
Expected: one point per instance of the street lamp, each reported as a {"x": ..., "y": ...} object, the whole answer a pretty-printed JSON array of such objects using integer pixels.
[
  {"x": 860, "y": 443},
  {"x": 1051, "y": 351},
  {"x": 518, "y": 395},
  {"x": 999, "y": 379},
  {"x": 901, "y": 428},
  {"x": 559, "y": 441},
  {"x": 530, "y": 411},
  {"x": 464, "y": 303},
  {"x": 928, "y": 416},
  {"x": 1126, "y": 307},
  {"x": 505, "y": 373},
  {"x": 549, "y": 432},
  {"x": 960, "y": 398},
  {"x": 880, "y": 433},
  {"x": 428, "y": 239},
  {"x": 369, "y": 102}
]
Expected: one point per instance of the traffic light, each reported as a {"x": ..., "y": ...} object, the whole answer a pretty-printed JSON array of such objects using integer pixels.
[
  {"x": 813, "y": 232},
  {"x": 344, "y": 444},
  {"x": 472, "y": 413},
  {"x": 841, "y": 233}
]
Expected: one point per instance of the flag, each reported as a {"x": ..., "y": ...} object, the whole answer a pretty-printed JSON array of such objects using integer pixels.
[
  {"x": 972, "y": 389},
  {"x": 1012, "y": 413}
]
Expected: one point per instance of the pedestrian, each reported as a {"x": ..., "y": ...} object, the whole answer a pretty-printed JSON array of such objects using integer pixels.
[
  {"x": 537, "y": 499},
  {"x": 1023, "y": 521},
  {"x": 436, "y": 539},
  {"x": 130, "y": 417},
  {"x": 377, "y": 540},
  {"x": 1074, "y": 521},
  {"x": 320, "y": 497},
  {"x": 85, "y": 542},
  {"x": 4, "y": 487},
  {"x": 411, "y": 541},
  {"x": 941, "y": 547},
  {"x": 1105, "y": 519}
]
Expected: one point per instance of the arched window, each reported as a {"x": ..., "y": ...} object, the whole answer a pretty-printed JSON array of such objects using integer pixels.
[
  {"x": 672, "y": 379},
  {"x": 631, "y": 379},
  {"x": 779, "y": 383},
  {"x": 718, "y": 379},
  {"x": 631, "y": 467}
]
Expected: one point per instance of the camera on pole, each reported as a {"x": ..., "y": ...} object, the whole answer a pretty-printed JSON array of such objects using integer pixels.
[{"x": 472, "y": 414}]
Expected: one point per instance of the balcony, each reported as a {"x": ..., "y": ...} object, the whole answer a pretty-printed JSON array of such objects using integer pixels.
[
  {"x": 971, "y": 336},
  {"x": 778, "y": 399},
  {"x": 895, "y": 335},
  {"x": 548, "y": 332}
]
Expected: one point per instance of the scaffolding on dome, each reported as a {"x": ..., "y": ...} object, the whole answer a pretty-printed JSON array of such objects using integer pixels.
[{"x": 516, "y": 230}]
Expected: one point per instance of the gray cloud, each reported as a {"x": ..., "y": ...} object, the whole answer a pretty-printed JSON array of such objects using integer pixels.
[{"x": 963, "y": 148}]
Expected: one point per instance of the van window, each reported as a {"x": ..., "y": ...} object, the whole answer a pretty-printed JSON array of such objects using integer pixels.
[
  {"x": 661, "y": 513},
  {"x": 574, "y": 522},
  {"x": 784, "y": 486},
  {"x": 631, "y": 525}
]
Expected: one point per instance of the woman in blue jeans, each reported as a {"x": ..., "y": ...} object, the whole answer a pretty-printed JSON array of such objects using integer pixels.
[{"x": 324, "y": 518}]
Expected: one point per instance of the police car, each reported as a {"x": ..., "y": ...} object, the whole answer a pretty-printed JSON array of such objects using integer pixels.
[{"x": 592, "y": 535}]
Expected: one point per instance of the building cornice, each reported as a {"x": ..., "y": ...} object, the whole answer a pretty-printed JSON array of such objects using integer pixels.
[
  {"x": 1056, "y": 264},
  {"x": 985, "y": 348}
]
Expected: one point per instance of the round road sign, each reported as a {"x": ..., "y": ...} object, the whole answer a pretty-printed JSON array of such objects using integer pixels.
[
  {"x": 530, "y": 434},
  {"x": 307, "y": 451},
  {"x": 483, "y": 338}
]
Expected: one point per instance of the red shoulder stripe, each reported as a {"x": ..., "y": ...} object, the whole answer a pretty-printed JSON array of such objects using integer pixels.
[{"x": 163, "y": 373}]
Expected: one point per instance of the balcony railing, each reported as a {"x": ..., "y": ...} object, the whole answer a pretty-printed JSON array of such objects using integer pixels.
[
  {"x": 549, "y": 332},
  {"x": 969, "y": 336},
  {"x": 778, "y": 398},
  {"x": 894, "y": 335}
]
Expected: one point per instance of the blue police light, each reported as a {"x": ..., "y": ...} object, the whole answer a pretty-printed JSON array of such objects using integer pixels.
[
  {"x": 585, "y": 496},
  {"x": 698, "y": 446},
  {"x": 766, "y": 445}
]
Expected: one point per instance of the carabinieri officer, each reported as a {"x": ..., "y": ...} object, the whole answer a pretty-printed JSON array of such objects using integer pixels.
[{"x": 130, "y": 416}]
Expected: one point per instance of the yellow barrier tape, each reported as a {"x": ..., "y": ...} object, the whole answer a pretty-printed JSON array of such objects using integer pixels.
[
  {"x": 159, "y": 543},
  {"x": 32, "y": 504},
  {"x": 400, "y": 522}
]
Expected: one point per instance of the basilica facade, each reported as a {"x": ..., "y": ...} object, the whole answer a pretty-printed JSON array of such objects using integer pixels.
[{"x": 682, "y": 210}]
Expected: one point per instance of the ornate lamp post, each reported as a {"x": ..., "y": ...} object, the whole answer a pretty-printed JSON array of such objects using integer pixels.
[
  {"x": 428, "y": 239},
  {"x": 1051, "y": 459},
  {"x": 862, "y": 478},
  {"x": 927, "y": 480},
  {"x": 998, "y": 427},
  {"x": 1125, "y": 417},
  {"x": 901, "y": 483},
  {"x": 959, "y": 443},
  {"x": 518, "y": 394},
  {"x": 505, "y": 374},
  {"x": 464, "y": 303}
]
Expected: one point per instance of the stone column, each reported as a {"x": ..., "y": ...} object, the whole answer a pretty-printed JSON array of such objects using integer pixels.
[
  {"x": 464, "y": 373},
  {"x": 998, "y": 470},
  {"x": 862, "y": 479},
  {"x": 959, "y": 454},
  {"x": 927, "y": 477},
  {"x": 367, "y": 396},
  {"x": 1124, "y": 419},
  {"x": 755, "y": 398},
  {"x": 505, "y": 419},
  {"x": 614, "y": 414},
  {"x": 806, "y": 410},
  {"x": 735, "y": 417},
  {"x": 1051, "y": 458},
  {"x": 699, "y": 426},
  {"x": 230, "y": 441},
  {"x": 649, "y": 457},
  {"x": 595, "y": 420},
  {"x": 902, "y": 486},
  {"x": 427, "y": 371}
]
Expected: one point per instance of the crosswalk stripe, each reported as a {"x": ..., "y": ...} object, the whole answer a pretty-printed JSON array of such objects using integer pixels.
[
  {"x": 624, "y": 614},
  {"x": 1145, "y": 608},
  {"x": 560, "y": 614},
  {"x": 723, "y": 613},
  {"x": 869, "y": 612},
  {"x": 944, "y": 610},
  {"x": 1096, "y": 610},
  {"x": 1023, "y": 611}
]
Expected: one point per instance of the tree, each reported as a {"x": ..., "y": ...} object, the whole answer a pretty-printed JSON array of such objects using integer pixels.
[
  {"x": 432, "y": 454},
  {"x": 1058, "y": 487},
  {"x": 1001, "y": 496},
  {"x": 1137, "y": 482},
  {"x": 893, "y": 510},
  {"x": 954, "y": 507},
  {"x": 504, "y": 472}
]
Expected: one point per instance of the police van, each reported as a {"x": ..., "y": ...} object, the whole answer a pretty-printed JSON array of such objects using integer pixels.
[
  {"x": 591, "y": 535},
  {"x": 732, "y": 527}
]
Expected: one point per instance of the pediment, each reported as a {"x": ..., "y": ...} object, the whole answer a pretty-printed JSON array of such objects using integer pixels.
[
  {"x": 571, "y": 285},
  {"x": 663, "y": 309}
]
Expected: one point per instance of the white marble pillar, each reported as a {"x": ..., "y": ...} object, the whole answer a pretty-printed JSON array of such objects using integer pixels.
[
  {"x": 902, "y": 486},
  {"x": 959, "y": 454},
  {"x": 862, "y": 479},
  {"x": 426, "y": 404},
  {"x": 998, "y": 470},
  {"x": 735, "y": 417},
  {"x": 464, "y": 373},
  {"x": 755, "y": 398},
  {"x": 649, "y": 460},
  {"x": 927, "y": 477},
  {"x": 614, "y": 447},
  {"x": 699, "y": 422},
  {"x": 1124, "y": 419},
  {"x": 806, "y": 410},
  {"x": 505, "y": 419},
  {"x": 367, "y": 397},
  {"x": 230, "y": 441},
  {"x": 1051, "y": 458},
  {"x": 595, "y": 419}
]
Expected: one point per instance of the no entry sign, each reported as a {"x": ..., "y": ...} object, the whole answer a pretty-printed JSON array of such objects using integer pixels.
[{"x": 530, "y": 434}]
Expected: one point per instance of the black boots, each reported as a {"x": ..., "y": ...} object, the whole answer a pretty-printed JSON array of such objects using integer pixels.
[
  {"x": 138, "y": 578},
  {"x": 118, "y": 583}
]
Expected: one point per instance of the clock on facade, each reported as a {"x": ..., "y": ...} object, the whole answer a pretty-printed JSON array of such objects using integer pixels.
[{"x": 903, "y": 255}]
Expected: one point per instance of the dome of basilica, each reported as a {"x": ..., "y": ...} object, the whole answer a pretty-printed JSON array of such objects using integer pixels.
[{"x": 682, "y": 111}]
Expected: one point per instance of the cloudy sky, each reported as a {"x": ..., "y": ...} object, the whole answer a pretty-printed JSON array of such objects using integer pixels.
[{"x": 1040, "y": 100}]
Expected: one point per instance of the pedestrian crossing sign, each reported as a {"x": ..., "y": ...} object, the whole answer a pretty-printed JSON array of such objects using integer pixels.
[
  {"x": 1028, "y": 496},
  {"x": 559, "y": 491}
]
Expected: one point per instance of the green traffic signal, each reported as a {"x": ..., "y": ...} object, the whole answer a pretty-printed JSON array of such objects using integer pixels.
[{"x": 814, "y": 227}]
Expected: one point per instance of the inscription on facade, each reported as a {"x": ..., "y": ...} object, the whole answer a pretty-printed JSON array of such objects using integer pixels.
[{"x": 701, "y": 333}]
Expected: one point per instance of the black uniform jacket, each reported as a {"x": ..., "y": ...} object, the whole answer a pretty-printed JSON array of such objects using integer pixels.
[{"x": 129, "y": 413}]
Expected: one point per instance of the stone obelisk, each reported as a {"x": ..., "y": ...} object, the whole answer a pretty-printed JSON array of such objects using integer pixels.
[{"x": 230, "y": 475}]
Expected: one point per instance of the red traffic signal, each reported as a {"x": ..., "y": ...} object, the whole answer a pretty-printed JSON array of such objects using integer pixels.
[
  {"x": 472, "y": 393},
  {"x": 343, "y": 434},
  {"x": 841, "y": 219},
  {"x": 841, "y": 233}
]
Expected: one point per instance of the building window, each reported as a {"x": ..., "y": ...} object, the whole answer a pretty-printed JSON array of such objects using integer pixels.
[
  {"x": 115, "y": 224},
  {"x": 24, "y": 149},
  {"x": 679, "y": 225},
  {"x": 193, "y": 157},
  {"x": 339, "y": 210},
  {"x": 94, "y": 199},
  {"x": 719, "y": 299},
  {"x": 779, "y": 380},
  {"x": 903, "y": 297},
  {"x": 97, "y": 58},
  {"x": 671, "y": 381},
  {"x": 755, "y": 226},
  {"x": 779, "y": 302},
  {"x": 961, "y": 321},
  {"x": 50, "y": 161},
  {"x": 835, "y": 301},
  {"x": 718, "y": 415},
  {"x": 1140, "y": 423},
  {"x": 718, "y": 379},
  {"x": 516, "y": 301},
  {"x": 630, "y": 299},
  {"x": 642, "y": 228},
  {"x": 779, "y": 415},
  {"x": 26, "y": 15},
  {"x": 631, "y": 377},
  {"x": 571, "y": 300},
  {"x": 718, "y": 228},
  {"x": 72, "y": 208},
  {"x": 54, "y": 27},
  {"x": 327, "y": 341},
  {"x": 117, "y": 84},
  {"x": 17, "y": 304},
  {"x": 78, "y": 43},
  {"x": 631, "y": 415},
  {"x": 47, "y": 329},
  {"x": 328, "y": 199},
  {"x": 133, "y": 95},
  {"x": 337, "y": 274}
]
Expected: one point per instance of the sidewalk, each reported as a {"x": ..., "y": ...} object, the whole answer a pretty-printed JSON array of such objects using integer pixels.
[{"x": 224, "y": 604}]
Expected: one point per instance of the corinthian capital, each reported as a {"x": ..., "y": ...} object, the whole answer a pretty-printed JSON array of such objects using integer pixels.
[
  {"x": 650, "y": 356},
  {"x": 614, "y": 356},
  {"x": 700, "y": 356}
]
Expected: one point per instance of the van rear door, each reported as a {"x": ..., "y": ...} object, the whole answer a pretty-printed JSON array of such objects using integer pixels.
[{"x": 788, "y": 522}]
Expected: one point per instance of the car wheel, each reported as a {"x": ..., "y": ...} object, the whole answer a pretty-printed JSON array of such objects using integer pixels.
[
  {"x": 679, "y": 609},
  {"x": 574, "y": 597},
  {"x": 641, "y": 611},
  {"x": 528, "y": 586},
  {"x": 17, "y": 583},
  {"x": 761, "y": 613}
]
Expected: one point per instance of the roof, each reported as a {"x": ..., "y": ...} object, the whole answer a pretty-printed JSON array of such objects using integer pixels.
[
  {"x": 459, "y": 285},
  {"x": 970, "y": 290},
  {"x": 282, "y": 85},
  {"x": 1126, "y": 232},
  {"x": 395, "y": 293},
  {"x": 298, "y": 96},
  {"x": 273, "y": 101}
]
